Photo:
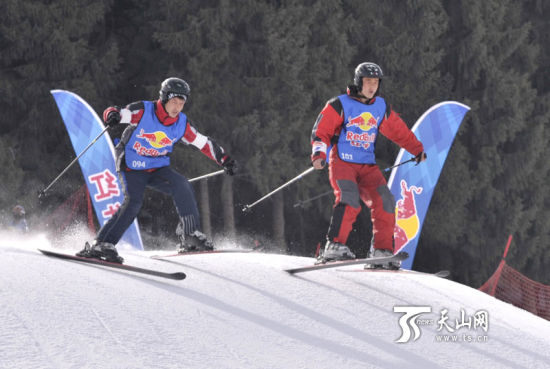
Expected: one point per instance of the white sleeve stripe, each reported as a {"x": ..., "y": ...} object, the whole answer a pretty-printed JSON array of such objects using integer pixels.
[
  {"x": 126, "y": 116},
  {"x": 319, "y": 146},
  {"x": 211, "y": 150},
  {"x": 200, "y": 141}
]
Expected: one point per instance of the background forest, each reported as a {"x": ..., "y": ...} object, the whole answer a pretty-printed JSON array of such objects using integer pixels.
[{"x": 260, "y": 72}]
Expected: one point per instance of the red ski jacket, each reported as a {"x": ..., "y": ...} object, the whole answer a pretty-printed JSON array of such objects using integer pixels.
[{"x": 331, "y": 119}]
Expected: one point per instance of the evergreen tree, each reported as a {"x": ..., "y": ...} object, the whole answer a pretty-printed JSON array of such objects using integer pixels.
[
  {"x": 484, "y": 193},
  {"x": 45, "y": 46},
  {"x": 11, "y": 184},
  {"x": 535, "y": 263}
]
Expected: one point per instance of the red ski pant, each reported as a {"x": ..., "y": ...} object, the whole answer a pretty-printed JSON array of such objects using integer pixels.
[{"x": 354, "y": 182}]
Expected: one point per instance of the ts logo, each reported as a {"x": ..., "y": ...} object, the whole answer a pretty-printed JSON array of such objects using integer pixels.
[{"x": 408, "y": 321}]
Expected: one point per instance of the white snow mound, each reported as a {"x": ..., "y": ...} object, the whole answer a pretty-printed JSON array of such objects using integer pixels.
[{"x": 242, "y": 310}]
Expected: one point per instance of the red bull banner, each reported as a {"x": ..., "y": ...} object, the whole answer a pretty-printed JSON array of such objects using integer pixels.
[
  {"x": 98, "y": 163},
  {"x": 413, "y": 186}
]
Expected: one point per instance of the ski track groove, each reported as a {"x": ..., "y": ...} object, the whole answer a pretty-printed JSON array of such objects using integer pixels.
[
  {"x": 12, "y": 345},
  {"x": 117, "y": 341}
]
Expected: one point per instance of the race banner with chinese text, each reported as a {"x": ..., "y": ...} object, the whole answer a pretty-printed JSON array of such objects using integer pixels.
[{"x": 98, "y": 163}]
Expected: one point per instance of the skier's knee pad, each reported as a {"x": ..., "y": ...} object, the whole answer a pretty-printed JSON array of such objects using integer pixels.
[
  {"x": 388, "y": 200},
  {"x": 349, "y": 193}
]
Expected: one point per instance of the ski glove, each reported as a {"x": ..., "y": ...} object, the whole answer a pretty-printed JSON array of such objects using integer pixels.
[
  {"x": 229, "y": 165},
  {"x": 420, "y": 157},
  {"x": 111, "y": 116},
  {"x": 319, "y": 163}
]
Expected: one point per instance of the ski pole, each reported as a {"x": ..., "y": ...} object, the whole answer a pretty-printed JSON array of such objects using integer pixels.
[
  {"x": 207, "y": 175},
  {"x": 43, "y": 192},
  {"x": 301, "y": 203},
  {"x": 406, "y": 161},
  {"x": 248, "y": 207}
]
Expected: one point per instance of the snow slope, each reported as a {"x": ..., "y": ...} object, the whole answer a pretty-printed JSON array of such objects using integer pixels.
[{"x": 243, "y": 311}]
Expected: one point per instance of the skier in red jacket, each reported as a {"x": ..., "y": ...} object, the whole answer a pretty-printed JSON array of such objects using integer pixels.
[{"x": 351, "y": 123}]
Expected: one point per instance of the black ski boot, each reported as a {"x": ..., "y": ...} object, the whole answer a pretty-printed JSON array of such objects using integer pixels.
[
  {"x": 101, "y": 250},
  {"x": 196, "y": 241}
]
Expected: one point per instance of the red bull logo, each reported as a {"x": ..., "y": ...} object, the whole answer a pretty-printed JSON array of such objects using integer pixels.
[
  {"x": 365, "y": 121},
  {"x": 407, "y": 222},
  {"x": 156, "y": 139}
]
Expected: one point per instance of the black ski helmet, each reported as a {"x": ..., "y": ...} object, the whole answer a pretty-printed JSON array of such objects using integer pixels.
[
  {"x": 173, "y": 87},
  {"x": 369, "y": 70}
]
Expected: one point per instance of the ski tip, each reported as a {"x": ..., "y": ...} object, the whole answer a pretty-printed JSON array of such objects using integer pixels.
[
  {"x": 443, "y": 274},
  {"x": 179, "y": 276},
  {"x": 47, "y": 252},
  {"x": 402, "y": 255}
]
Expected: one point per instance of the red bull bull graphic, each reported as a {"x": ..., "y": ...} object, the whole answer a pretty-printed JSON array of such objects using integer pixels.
[
  {"x": 413, "y": 185},
  {"x": 365, "y": 121},
  {"x": 156, "y": 139},
  {"x": 98, "y": 163},
  {"x": 407, "y": 223}
]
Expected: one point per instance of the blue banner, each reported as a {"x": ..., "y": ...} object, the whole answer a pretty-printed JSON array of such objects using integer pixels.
[
  {"x": 98, "y": 163},
  {"x": 413, "y": 185}
]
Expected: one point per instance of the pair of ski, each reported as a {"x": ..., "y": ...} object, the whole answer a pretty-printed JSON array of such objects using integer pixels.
[
  {"x": 131, "y": 268},
  {"x": 400, "y": 256},
  {"x": 175, "y": 276}
]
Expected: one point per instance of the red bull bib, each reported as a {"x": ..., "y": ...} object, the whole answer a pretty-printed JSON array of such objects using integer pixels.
[
  {"x": 360, "y": 129},
  {"x": 152, "y": 142}
]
